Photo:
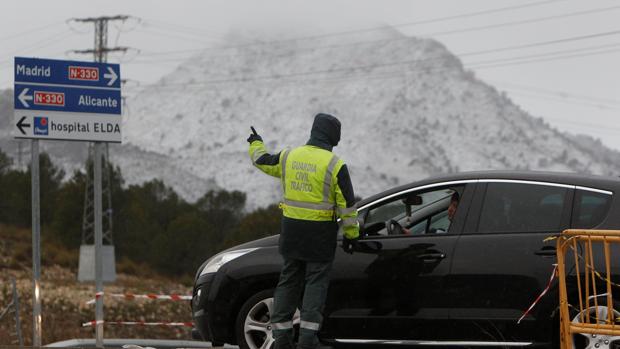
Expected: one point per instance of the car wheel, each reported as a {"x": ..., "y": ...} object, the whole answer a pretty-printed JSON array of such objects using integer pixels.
[
  {"x": 253, "y": 324},
  {"x": 593, "y": 341}
]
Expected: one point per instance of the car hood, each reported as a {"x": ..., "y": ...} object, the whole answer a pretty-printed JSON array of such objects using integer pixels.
[{"x": 269, "y": 241}]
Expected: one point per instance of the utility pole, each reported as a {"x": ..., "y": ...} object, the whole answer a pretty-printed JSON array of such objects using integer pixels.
[
  {"x": 92, "y": 224},
  {"x": 100, "y": 54}
]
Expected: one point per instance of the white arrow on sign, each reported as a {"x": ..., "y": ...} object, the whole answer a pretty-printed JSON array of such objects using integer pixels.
[
  {"x": 24, "y": 98},
  {"x": 112, "y": 76}
]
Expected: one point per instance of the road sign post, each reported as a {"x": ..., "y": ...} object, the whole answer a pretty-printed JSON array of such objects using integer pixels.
[
  {"x": 66, "y": 100},
  {"x": 36, "y": 245},
  {"x": 98, "y": 245}
]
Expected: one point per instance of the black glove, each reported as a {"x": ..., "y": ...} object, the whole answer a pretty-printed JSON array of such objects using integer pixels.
[
  {"x": 254, "y": 137},
  {"x": 348, "y": 245}
]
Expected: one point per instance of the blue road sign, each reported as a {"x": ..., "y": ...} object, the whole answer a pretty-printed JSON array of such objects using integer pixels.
[
  {"x": 54, "y": 98},
  {"x": 55, "y": 72},
  {"x": 67, "y": 100}
]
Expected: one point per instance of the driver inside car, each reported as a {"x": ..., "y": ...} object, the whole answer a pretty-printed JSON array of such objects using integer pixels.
[{"x": 454, "y": 203}]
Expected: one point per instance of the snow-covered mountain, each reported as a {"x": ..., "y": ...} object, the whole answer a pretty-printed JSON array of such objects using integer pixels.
[{"x": 408, "y": 109}]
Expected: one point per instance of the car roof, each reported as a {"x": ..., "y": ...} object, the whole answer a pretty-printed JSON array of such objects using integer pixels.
[{"x": 585, "y": 180}]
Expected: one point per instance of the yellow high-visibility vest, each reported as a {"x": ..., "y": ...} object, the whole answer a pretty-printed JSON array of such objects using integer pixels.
[{"x": 309, "y": 176}]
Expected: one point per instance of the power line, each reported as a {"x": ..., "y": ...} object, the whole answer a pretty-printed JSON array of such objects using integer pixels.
[
  {"x": 544, "y": 59},
  {"x": 561, "y": 100},
  {"x": 520, "y": 22},
  {"x": 45, "y": 42},
  {"x": 182, "y": 29},
  {"x": 483, "y": 64},
  {"x": 432, "y": 20},
  {"x": 354, "y": 31},
  {"x": 546, "y": 54},
  {"x": 16, "y": 35},
  {"x": 541, "y": 43},
  {"x": 494, "y": 61},
  {"x": 439, "y": 33},
  {"x": 598, "y": 127},
  {"x": 478, "y": 13},
  {"x": 159, "y": 33},
  {"x": 561, "y": 94}
]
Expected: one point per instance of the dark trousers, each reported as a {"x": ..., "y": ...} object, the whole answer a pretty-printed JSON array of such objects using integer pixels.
[{"x": 311, "y": 278}]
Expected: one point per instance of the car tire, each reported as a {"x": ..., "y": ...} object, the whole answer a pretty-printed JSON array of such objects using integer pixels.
[{"x": 253, "y": 323}]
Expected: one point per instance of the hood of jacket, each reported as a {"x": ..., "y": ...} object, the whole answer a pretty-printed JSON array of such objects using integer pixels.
[{"x": 325, "y": 131}]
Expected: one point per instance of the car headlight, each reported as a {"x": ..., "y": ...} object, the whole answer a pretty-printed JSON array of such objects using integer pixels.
[{"x": 218, "y": 260}]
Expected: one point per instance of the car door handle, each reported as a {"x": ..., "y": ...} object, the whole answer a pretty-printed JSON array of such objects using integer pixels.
[
  {"x": 432, "y": 256},
  {"x": 548, "y": 251}
]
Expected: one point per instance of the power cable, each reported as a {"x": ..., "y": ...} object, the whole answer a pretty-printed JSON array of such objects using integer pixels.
[
  {"x": 509, "y": 59},
  {"x": 520, "y": 22},
  {"x": 45, "y": 42},
  {"x": 543, "y": 60},
  {"x": 137, "y": 20},
  {"x": 172, "y": 35},
  {"x": 562, "y": 100},
  {"x": 69, "y": 24},
  {"x": 432, "y": 20},
  {"x": 408, "y": 38},
  {"x": 546, "y": 54},
  {"x": 598, "y": 127},
  {"x": 541, "y": 43},
  {"x": 472, "y": 65},
  {"x": 478, "y": 13},
  {"x": 30, "y": 31},
  {"x": 560, "y": 94},
  {"x": 182, "y": 29},
  {"x": 428, "y": 21}
]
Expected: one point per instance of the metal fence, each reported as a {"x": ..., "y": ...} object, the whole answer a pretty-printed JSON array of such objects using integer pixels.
[{"x": 587, "y": 286}]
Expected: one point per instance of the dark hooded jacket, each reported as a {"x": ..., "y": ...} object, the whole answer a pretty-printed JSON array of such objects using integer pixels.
[{"x": 314, "y": 241}]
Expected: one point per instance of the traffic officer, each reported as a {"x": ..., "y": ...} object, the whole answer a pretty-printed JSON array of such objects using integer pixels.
[{"x": 318, "y": 199}]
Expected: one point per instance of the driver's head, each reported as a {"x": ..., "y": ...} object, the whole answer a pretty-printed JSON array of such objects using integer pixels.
[{"x": 454, "y": 203}]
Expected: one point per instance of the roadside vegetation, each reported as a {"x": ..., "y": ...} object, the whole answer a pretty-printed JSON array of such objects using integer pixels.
[{"x": 160, "y": 241}]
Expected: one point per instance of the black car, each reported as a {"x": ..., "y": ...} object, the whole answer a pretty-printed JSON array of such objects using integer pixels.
[{"x": 447, "y": 261}]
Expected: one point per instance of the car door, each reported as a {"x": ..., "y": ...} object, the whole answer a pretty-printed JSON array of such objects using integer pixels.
[
  {"x": 392, "y": 286},
  {"x": 503, "y": 261}
]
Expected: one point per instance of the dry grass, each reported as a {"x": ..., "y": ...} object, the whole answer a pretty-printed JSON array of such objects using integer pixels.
[{"x": 64, "y": 299}]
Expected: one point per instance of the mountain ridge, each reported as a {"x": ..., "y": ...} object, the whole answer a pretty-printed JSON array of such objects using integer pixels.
[{"x": 408, "y": 107}]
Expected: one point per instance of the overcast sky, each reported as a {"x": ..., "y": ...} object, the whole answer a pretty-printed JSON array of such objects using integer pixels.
[{"x": 566, "y": 70}]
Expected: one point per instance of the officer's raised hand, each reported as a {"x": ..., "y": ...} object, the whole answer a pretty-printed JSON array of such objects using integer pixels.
[
  {"x": 254, "y": 136},
  {"x": 348, "y": 245}
]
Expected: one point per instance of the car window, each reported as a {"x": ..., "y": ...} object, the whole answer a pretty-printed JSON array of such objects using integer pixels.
[
  {"x": 384, "y": 213},
  {"x": 419, "y": 228},
  {"x": 516, "y": 207},
  {"x": 413, "y": 213},
  {"x": 590, "y": 209},
  {"x": 439, "y": 223}
]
